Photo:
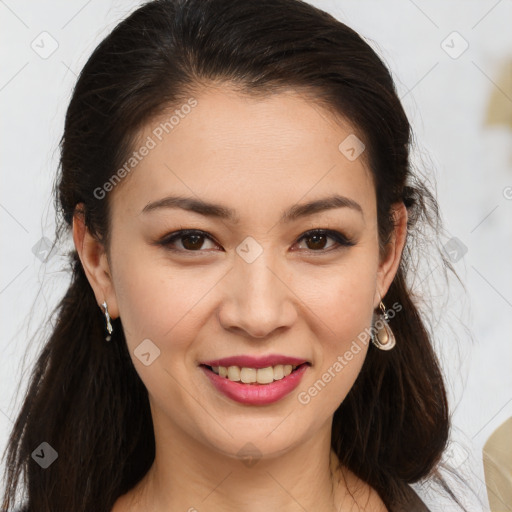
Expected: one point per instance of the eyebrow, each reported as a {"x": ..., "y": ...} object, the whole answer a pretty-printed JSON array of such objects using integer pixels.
[{"x": 222, "y": 212}]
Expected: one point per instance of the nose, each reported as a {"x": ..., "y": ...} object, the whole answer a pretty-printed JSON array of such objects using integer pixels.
[{"x": 258, "y": 299}]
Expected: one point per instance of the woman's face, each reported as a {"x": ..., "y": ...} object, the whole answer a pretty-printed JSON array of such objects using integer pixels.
[{"x": 254, "y": 284}]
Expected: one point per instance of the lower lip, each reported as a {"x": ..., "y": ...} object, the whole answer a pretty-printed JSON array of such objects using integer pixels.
[{"x": 256, "y": 394}]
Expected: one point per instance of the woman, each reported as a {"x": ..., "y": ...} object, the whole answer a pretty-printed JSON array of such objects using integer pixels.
[{"x": 238, "y": 332}]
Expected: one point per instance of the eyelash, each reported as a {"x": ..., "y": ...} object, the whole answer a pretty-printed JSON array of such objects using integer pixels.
[{"x": 338, "y": 237}]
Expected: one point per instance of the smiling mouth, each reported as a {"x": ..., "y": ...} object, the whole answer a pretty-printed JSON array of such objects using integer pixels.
[{"x": 255, "y": 376}]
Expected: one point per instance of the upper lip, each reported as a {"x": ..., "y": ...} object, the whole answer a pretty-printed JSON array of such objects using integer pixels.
[{"x": 255, "y": 362}]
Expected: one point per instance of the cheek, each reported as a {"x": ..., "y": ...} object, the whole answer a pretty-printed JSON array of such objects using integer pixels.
[
  {"x": 339, "y": 358},
  {"x": 342, "y": 305},
  {"x": 162, "y": 302},
  {"x": 341, "y": 297}
]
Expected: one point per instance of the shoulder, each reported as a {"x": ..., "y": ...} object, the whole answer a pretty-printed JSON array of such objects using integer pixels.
[
  {"x": 360, "y": 493},
  {"x": 375, "y": 503},
  {"x": 410, "y": 503}
]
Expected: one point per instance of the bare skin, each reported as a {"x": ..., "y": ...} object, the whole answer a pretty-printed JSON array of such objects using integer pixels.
[{"x": 299, "y": 298}]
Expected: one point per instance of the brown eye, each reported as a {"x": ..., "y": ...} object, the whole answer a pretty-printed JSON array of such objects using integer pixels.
[
  {"x": 317, "y": 240},
  {"x": 191, "y": 241}
]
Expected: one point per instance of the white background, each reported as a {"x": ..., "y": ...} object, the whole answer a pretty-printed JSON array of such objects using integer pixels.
[{"x": 447, "y": 100}]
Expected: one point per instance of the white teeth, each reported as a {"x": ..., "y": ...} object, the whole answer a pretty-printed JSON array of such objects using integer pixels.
[
  {"x": 253, "y": 375},
  {"x": 265, "y": 375},
  {"x": 233, "y": 373},
  {"x": 248, "y": 375}
]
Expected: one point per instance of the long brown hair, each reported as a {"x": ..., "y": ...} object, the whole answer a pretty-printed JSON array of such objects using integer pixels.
[{"x": 85, "y": 398}]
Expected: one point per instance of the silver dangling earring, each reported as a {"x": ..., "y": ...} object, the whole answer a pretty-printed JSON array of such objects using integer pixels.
[
  {"x": 109, "y": 325},
  {"x": 384, "y": 339}
]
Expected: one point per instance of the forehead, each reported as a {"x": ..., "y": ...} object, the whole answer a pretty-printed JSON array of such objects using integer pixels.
[{"x": 234, "y": 148}]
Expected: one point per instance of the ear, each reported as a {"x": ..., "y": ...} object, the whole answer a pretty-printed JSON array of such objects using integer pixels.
[
  {"x": 388, "y": 265},
  {"x": 95, "y": 263}
]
